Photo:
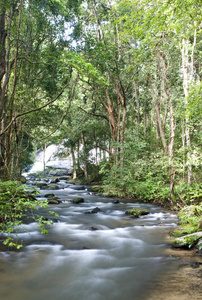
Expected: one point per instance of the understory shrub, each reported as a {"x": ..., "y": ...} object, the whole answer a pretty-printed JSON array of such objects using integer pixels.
[{"x": 17, "y": 203}]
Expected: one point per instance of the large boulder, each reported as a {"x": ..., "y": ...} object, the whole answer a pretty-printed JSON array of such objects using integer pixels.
[
  {"x": 187, "y": 241},
  {"x": 59, "y": 172}
]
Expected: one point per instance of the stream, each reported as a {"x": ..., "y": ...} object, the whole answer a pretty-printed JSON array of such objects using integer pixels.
[{"x": 89, "y": 256}]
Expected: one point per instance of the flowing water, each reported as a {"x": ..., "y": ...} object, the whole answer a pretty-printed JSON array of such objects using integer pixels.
[{"x": 102, "y": 256}]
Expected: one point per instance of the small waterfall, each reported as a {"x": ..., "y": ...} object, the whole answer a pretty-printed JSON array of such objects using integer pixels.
[{"x": 49, "y": 158}]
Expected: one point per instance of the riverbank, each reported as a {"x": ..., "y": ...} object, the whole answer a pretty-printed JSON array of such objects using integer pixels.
[{"x": 182, "y": 282}]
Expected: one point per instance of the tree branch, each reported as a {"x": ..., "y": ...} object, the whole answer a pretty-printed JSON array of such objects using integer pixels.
[
  {"x": 34, "y": 110},
  {"x": 96, "y": 115}
]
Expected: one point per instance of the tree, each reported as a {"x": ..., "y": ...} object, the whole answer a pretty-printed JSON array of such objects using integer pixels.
[{"x": 30, "y": 78}]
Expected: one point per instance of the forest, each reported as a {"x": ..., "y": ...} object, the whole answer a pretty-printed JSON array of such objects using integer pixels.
[{"x": 120, "y": 77}]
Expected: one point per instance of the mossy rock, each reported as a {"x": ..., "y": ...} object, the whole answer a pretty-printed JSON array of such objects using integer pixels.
[
  {"x": 50, "y": 195},
  {"x": 51, "y": 187},
  {"x": 136, "y": 212},
  {"x": 41, "y": 185},
  {"x": 55, "y": 180},
  {"x": 78, "y": 200},
  {"x": 187, "y": 241},
  {"x": 53, "y": 201},
  {"x": 184, "y": 230},
  {"x": 52, "y": 198},
  {"x": 58, "y": 172}
]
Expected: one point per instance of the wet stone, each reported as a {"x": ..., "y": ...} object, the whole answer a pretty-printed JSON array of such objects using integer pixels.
[
  {"x": 50, "y": 195},
  {"x": 94, "y": 211},
  {"x": 136, "y": 213},
  {"x": 53, "y": 201},
  {"x": 93, "y": 228},
  {"x": 116, "y": 202},
  {"x": 78, "y": 200}
]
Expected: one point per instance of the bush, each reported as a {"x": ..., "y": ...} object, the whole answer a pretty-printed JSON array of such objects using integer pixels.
[
  {"x": 15, "y": 204},
  {"x": 189, "y": 194}
]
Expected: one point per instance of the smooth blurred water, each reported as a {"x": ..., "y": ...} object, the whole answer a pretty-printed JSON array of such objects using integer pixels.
[{"x": 114, "y": 262}]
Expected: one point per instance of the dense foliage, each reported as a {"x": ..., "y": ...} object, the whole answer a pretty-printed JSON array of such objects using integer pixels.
[
  {"x": 122, "y": 78},
  {"x": 17, "y": 205}
]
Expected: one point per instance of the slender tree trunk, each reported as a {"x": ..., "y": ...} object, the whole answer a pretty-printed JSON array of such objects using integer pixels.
[
  {"x": 85, "y": 160},
  {"x": 78, "y": 155},
  {"x": 123, "y": 133},
  {"x": 166, "y": 92},
  {"x": 137, "y": 96},
  {"x": 154, "y": 92},
  {"x": 44, "y": 160},
  {"x": 3, "y": 35},
  {"x": 74, "y": 163},
  {"x": 114, "y": 129},
  {"x": 161, "y": 131},
  {"x": 183, "y": 145},
  {"x": 186, "y": 82},
  {"x": 145, "y": 124},
  {"x": 171, "y": 148}
]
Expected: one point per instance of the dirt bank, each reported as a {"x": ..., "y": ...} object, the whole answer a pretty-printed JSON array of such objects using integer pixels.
[{"x": 182, "y": 283}]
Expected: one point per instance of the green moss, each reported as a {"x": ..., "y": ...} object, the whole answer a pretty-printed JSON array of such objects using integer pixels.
[
  {"x": 187, "y": 241},
  {"x": 176, "y": 233},
  {"x": 40, "y": 184},
  {"x": 50, "y": 195},
  {"x": 78, "y": 200},
  {"x": 184, "y": 229},
  {"x": 51, "y": 187},
  {"x": 135, "y": 212}
]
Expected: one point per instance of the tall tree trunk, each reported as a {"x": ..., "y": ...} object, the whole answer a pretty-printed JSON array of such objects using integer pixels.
[
  {"x": 161, "y": 130},
  {"x": 166, "y": 91},
  {"x": 3, "y": 35},
  {"x": 9, "y": 153},
  {"x": 155, "y": 95},
  {"x": 187, "y": 78},
  {"x": 137, "y": 97},
  {"x": 85, "y": 160},
  {"x": 74, "y": 162},
  {"x": 171, "y": 148},
  {"x": 44, "y": 160},
  {"x": 145, "y": 123}
]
